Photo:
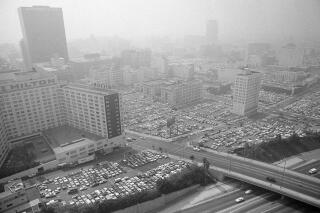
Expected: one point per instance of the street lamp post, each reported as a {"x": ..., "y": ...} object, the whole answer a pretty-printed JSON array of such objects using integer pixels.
[{"x": 283, "y": 174}]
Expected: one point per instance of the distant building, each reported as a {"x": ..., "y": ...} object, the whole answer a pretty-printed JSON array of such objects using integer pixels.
[
  {"x": 290, "y": 56},
  {"x": 80, "y": 67},
  {"x": 160, "y": 65},
  {"x": 175, "y": 92},
  {"x": 43, "y": 34},
  {"x": 136, "y": 58},
  {"x": 246, "y": 92},
  {"x": 182, "y": 70},
  {"x": 212, "y": 32},
  {"x": 110, "y": 75}
]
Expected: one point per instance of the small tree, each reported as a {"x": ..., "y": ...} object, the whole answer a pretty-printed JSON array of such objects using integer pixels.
[
  {"x": 160, "y": 149},
  {"x": 192, "y": 157}
]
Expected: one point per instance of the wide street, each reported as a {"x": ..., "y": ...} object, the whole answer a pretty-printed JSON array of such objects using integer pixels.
[{"x": 284, "y": 178}]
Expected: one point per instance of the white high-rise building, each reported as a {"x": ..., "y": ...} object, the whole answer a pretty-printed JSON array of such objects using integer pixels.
[
  {"x": 246, "y": 92},
  {"x": 95, "y": 110},
  {"x": 29, "y": 103}
]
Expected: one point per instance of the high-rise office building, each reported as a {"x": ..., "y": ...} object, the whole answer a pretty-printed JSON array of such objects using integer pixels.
[
  {"x": 246, "y": 92},
  {"x": 43, "y": 34},
  {"x": 95, "y": 110},
  {"x": 212, "y": 32}
]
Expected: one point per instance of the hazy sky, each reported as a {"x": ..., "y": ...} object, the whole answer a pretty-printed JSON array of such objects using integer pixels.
[{"x": 243, "y": 19}]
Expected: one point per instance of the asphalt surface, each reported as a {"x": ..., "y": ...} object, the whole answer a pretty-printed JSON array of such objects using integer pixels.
[
  {"x": 305, "y": 169},
  {"x": 224, "y": 201}
]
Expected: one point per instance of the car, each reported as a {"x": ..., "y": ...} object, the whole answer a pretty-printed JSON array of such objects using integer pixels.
[
  {"x": 248, "y": 191},
  {"x": 239, "y": 199},
  {"x": 196, "y": 148},
  {"x": 312, "y": 171},
  {"x": 270, "y": 179}
]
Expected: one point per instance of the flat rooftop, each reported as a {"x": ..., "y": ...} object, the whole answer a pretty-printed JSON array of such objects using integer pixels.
[
  {"x": 8, "y": 77},
  {"x": 90, "y": 89},
  {"x": 73, "y": 144},
  {"x": 65, "y": 134}
]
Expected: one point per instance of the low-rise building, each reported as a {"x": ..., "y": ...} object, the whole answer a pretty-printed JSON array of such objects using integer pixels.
[
  {"x": 175, "y": 92},
  {"x": 16, "y": 198}
]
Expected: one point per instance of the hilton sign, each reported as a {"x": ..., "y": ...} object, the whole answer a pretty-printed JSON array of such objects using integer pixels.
[{"x": 25, "y": 85}]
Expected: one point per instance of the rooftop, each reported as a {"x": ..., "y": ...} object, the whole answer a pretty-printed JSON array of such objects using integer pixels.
[
  {"x": 72, "y": 145},
  {"x": 90, "y": 89},
  {"x": 23, "y": 76},
  {"x": 65, "y": 134},
  {"x": 247, "y": 72}
]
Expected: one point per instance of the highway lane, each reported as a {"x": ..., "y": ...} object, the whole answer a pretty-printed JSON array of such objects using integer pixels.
[
  {"x": 291, "y": 180},
  {"x": 276, "y": 204},
  {"x": 222, "y": 202},
  {"x": 305, "y": 169}
]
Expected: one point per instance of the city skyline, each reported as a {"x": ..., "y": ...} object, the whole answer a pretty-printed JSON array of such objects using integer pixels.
[{"x": 263, "y": 20}]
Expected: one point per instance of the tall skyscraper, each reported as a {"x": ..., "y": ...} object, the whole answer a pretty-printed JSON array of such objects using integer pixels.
[
  {"x": 246, "y": 92},
  {"x": 212, "y": 32},
  {"x": 43, "y": 34}
]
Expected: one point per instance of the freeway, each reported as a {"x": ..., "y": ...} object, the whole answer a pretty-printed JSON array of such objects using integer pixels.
[
  {"x": 273, "y": 203},
  {"x": 222, "y": 202},
  {"x": 305, "y": 169},
  {"x": 289, "y": 183}
]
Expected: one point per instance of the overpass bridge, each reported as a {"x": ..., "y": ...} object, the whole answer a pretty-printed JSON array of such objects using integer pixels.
[{"x": 280, "y": 180}]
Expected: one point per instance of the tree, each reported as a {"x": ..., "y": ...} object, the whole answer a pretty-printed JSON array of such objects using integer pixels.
[
  {"x": 160, "y": 149},
  {"x": 206, "y": 166},
  {"x": 192, "y": 157}
]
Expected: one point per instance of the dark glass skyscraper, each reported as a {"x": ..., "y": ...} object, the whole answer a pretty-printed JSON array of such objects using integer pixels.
[{"x": 43, "y": 34}]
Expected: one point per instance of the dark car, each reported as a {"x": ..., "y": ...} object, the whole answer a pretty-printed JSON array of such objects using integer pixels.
[{"x": 271, "y": 179}]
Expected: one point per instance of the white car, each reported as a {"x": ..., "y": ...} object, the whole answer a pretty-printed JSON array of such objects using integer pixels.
[
  {"x": 196, "y": 148},
  {"x": 313, "y": 171},
  {"x": 239, "y": 199},
  {"x": 248, "y": 191}
]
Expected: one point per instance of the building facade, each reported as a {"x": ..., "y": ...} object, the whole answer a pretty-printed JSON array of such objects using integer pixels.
[
  {"x": 34, "y": 101},
  {"x": 246, "y": 92},
  {"x": 94, "y": 110},
  {"x": 30, "y": 103},
  {"x": 43, "y": 34},
  {"x": 175, "y": 92}
]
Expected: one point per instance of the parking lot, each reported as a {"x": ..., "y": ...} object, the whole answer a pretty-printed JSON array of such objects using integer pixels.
[
  {"x": 145, "y": 116},
  {"x": 252, "y": 132},
  {"x": 108, "y": 180},
  {"x": 308, "y": 105}
]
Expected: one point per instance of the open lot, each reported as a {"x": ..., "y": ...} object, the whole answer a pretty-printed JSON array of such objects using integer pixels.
[
  {"x": 108, "y": 179},
  {"x": 308, "y": 105},
  {"x": 149, "y": 117}
]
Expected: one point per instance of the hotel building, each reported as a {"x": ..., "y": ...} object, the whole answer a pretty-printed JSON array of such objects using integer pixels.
[{"x": 34, "y": 101}]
